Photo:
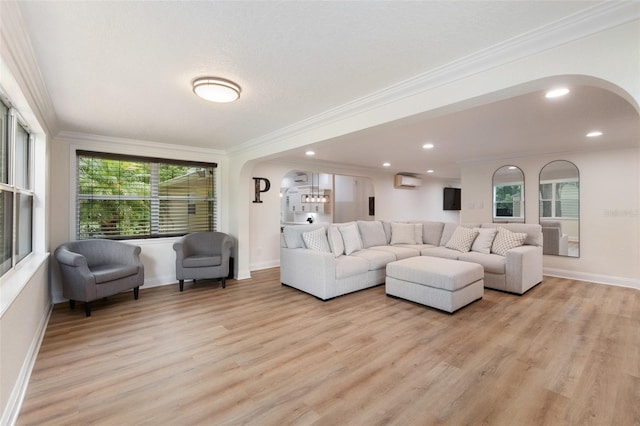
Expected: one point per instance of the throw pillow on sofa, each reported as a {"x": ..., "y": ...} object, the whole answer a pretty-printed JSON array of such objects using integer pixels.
[
  {"x": 316, "y": 240},
  {"x": 484, "y": 240},
  {"x": 351, "y": 238},
  {"x": 462, "y": 239},
  {"x": 506, "y": 240},
  {"x": 372, "y": 233},
  {"x": 335, "y": 241},
  {"x": 403, "y": 233},
  {"x": 417, "y": 237},
  {"x": 432, "y": 233}
]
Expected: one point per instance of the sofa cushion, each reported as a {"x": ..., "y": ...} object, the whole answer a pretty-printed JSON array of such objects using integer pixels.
[
  {"x": 484, "y": 240},
  {"x": 492, "y": 263},
  {"x": 449, "y": 228},
  {"x": 506, "y": 240},
  {"x": 201, "y": 261},
  {"x": 417, "y": 236},
  {"x": 443, "y": 252},
  {"x": 335, "y": 241},
  {"x": 351, "y": 238},
  {"x": 462, "y": 239},
  {"x": 432, "y": 232},
  {"x": 376, "y": 259},
  {"x": 349, "y": 266},
  {"x": 111, "y": 272},
  {"x": 533, "y": 231},
  {"x": 387, "y": 230},
  {"x": 316, "y": 240},
  {"x": 447, "y": 232},
  {"x": 293, "y": 234},
  {"x": 400, "y": 252},
  {"x": 372, "y": 233},
  {"x": 402, "y": 233}
]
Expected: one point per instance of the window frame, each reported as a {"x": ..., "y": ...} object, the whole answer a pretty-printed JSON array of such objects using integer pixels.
[
  {"x": 13, "y": 121},
  {"x": 153, "y": 196},
  {"x": 496, "y": 202},
  {"x": 554, "y": 200}
]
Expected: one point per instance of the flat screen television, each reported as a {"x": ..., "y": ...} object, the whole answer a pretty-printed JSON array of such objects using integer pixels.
[{"x": 451, "y": 199}]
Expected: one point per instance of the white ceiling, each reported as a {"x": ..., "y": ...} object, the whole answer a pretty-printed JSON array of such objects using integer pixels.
[{"x": 124, "y": 70}]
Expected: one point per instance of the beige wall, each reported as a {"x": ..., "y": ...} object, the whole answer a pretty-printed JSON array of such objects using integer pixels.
[
  {"x": 157, "y": 254},
  {"x": 609, "y": 211},
  {"x": 22, "y": 326}
]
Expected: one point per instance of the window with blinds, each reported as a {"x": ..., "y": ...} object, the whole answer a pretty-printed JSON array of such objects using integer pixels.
[
  {"x": 559, "y": 199},
  {"x": 121, "y": 197}
]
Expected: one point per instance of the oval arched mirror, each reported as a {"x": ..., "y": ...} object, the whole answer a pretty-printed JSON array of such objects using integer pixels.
[
  {"x": 508, "y": 195},
  {"x": 559, "y": 195}
]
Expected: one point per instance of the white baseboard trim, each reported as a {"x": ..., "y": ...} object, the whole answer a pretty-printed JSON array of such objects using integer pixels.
[
  {"x": 159, "y": 281},
  {"x": 264, "y": 265},
  {"x": 243, "y": 275},
  {"x": 10, "y": 414},
  {"x": 594, "y": 278}
]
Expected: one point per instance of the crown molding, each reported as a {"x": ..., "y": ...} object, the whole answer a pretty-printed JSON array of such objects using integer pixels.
[
  {"x": 136, "y": 145},
  {"x": 589, "y": 21},
  {"x": 21, "y": 61}
]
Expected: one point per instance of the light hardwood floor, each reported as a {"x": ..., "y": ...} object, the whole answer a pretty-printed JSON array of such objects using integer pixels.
[{"x": 257, "y": 352}]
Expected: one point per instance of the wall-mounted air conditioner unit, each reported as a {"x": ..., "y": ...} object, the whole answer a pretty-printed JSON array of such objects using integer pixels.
[
  {"x": 403, "y": 181},
  {"x": 301, "y": 178}
]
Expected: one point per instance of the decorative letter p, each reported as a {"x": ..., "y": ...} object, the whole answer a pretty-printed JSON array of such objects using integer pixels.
[{"x": 267, "y": 186}]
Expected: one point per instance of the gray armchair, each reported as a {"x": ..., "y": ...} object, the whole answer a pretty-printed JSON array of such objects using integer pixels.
[
  {"x": 203, "y": 255},
  {"x": 93, "y": 269},
  {"x": 554, "y": 241}
]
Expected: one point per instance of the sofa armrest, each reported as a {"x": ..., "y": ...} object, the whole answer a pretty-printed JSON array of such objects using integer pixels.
[
  {"x": 78, "y": 283},
  {"x": 69, "y": 258},
  {"x": 311, "y": 271},
  {"x": 523, "y": 268}
]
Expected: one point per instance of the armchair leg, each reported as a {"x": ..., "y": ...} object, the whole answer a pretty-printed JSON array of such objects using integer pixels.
[
  {"x": 181, "y": 285},
  {"x": 87, "y": 309},
  {"x": 136, "y": 292},
  {"x": 72, "y": 304},
  {"x": 224, "y": 282}
]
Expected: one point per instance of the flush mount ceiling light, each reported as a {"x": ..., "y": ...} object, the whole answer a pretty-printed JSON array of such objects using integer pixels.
[
  {"x": 556, "y": 93},
  {"x": 428, "y": 146},
  {"x": 216, "y": 89}
]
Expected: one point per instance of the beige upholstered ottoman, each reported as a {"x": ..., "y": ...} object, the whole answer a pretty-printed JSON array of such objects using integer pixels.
[{"x": 443, "y": 284}]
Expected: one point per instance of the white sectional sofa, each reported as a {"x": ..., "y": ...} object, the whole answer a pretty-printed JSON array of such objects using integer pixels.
[{"x": 329, "y": 260}]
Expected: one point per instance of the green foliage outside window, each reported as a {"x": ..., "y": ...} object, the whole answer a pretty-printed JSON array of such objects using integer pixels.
[
  {"x": 122, "y": 198},
  {"x": 508, "y": 199}
]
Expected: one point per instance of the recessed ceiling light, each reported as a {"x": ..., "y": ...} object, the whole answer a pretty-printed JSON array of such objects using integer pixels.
[
  {"x": 594, "y": 134},
  {"x": 430, "y": 171},
  {"x": 310, "y": 153},
  {"x": 386, "y": 164},
  {"x": 216, "y": 89},
  {"x": 428, "y": 146},
  {"x": 556, "y": 93}
]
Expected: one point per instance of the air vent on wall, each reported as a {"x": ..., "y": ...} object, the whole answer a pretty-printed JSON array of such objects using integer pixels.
[
  {"x": 404, "y": 181},
  {"x": 301, "y": 178}
]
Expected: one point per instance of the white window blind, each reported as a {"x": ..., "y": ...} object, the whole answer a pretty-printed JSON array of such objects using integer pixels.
[{"x": 124, "y": 197}]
